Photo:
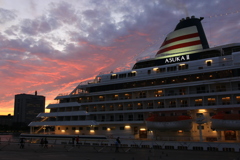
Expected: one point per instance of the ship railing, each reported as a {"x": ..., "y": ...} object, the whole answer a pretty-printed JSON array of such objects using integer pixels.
[
  {"x": 88, "y": 82},
  {"x": 225, "y": 63},
  {"x": 63, "y": 94},
  {"x": 213, "y": 90},
  {"x": 41, "y": 119},
  {"x": 109, "y": 140},
  {"x": 99, "y": 144},
  {"x": 53, "y": 103},
  {"x": 145, "y": 57},
  {"x": 220, "y": 64},
  {"x": 72, "y": 94},
  {"x": 192, "y": 138},
  {"x": 115, "y": 70}
]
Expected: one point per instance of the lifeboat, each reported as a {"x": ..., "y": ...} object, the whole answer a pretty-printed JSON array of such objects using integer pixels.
[
  {"x": 223, "y": 121},
  {"x": 169, "y": 122}
]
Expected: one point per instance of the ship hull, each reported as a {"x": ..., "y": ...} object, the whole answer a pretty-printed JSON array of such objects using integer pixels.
[
  {"x": 220, "y": 124},
  {"x": 175, "y": 125}
]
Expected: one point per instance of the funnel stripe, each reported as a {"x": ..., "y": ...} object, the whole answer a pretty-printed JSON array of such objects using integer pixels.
[
  {"x": 193, "y": 35},
  {"x": 182, "y": 45}
]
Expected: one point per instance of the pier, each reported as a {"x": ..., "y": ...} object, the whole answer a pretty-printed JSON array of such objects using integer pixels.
[{"x": 87, "y": 150}]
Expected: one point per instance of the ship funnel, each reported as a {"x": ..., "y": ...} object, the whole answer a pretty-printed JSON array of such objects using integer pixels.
[{"x": 187, "y": 36}]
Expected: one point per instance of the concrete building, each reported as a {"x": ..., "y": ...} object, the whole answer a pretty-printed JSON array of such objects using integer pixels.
[
  {"x": 27, "y": 107},
  {"x": 6, "y": 120}
]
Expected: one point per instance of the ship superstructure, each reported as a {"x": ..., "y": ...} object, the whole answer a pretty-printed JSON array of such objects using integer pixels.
[{"x": 187, "y": 92}]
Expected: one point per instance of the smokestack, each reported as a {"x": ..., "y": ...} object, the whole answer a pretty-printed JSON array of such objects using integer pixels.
[
  {"x": 187, "y": 36},
  {"x": 35, "y": 93}
]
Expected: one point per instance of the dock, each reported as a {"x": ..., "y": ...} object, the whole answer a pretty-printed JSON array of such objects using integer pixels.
[{"x": 12, "y": 151}]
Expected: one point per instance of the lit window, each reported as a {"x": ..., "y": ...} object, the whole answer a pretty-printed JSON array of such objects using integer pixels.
[
  {"x": 225, "y": 100},
  {"x": 114, "y": 76},
  {"x": 209, "y": 62}
]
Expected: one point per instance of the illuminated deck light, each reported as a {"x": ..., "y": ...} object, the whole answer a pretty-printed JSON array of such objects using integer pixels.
[
  {"x": 201, "y": 110},
  {"x": 127, "y": 127},
  {"x": 142, "y": 129}
]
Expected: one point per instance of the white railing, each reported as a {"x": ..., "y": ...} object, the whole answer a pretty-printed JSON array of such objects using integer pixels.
[{"x": 63, "y": 94}]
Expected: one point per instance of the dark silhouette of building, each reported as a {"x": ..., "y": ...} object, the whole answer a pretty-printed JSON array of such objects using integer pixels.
[
  {"x": 27, "y": 107},
  {"x": 6, "y": 120}
]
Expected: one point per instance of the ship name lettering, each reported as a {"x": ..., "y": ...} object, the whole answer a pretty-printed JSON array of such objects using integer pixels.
[{"x": 177, "y": 59}]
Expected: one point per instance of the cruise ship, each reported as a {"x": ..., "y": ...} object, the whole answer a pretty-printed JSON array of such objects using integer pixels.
[{"x": 187, "y": 92}]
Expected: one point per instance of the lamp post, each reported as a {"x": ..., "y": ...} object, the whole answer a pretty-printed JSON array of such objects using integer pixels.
[
  {"x": 200, "y": 120},
  {"x": 44, "y": 128}
]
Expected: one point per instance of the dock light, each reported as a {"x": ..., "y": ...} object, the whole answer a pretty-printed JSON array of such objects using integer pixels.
[
  {"x": 142, "y": 129},
  {"x": 77, "y": 131},
  {"x": 159, "y": 91},
  {"x": 180, "y": 131},
  {"x": 201, "y": 110},
  {"x": 155, "y": 69},
  {"x": 63, "y": 131},
  {"x": 182, "y": 64},
  {"x": 92, "y": 131},
  {"x": 208, "y": 61},
  {"x": 127, "y": 127},
  {"x": 108, "y": 129}
]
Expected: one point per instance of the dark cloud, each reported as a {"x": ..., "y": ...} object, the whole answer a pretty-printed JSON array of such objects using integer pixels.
[
  {"x": 63, "y": 12},
  {"x": 6, "y": 15},
  {"x": 39, "y": 25}
]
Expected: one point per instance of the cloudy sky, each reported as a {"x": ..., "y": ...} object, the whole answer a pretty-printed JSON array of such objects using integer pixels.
[{"x": 52, "y": 45}]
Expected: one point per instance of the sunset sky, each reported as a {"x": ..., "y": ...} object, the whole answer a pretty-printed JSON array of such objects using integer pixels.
[{"x": 53, "y": 45}]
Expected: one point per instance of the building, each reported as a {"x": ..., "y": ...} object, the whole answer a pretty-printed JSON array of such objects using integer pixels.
[
  {"x": 27, "y": 107},
  {"x": 6, "y": 120},
  {"x": 187, "y": 92}
]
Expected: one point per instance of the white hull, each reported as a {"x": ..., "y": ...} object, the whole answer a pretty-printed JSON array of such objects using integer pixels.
[{"x": 183, "y": 124}]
